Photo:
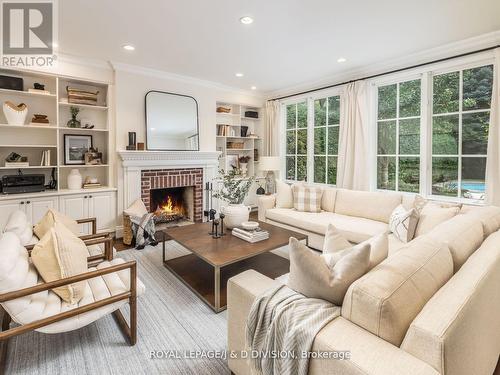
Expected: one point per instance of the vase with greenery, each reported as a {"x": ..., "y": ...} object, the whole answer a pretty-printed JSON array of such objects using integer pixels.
[
  {"x": 233, "y": 189},
  {"x": 74, "y": 123},
  {"x": 243, "y": 161}
]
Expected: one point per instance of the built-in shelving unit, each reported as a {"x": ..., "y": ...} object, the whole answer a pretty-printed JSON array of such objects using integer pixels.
[{"x": 32, "y": 139}]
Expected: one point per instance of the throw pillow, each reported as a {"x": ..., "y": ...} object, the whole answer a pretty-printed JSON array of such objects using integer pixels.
[
  {"x": 311, "y": 276},
  {"x": 137, "y": 209},
  {"x": 336, "y": 246},
  {"x": 19, "y": 225},
  {"x": 284, "y": 195},
  {"x": 433, "y": 214},
  {"x": 307, "y": 198},
  {"x": 60, "y": 254},
  {"x": 403, "y": 223},
  {"x": 50, "y": 218}
]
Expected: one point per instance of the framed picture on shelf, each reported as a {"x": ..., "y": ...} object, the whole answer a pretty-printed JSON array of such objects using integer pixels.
[
  {"x": 75, "y": 148},
  {"x": 232, "y": 162}
]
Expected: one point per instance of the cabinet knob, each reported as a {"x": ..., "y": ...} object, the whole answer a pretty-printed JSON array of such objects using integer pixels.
[
  {"x": 28, "y": 202},
  {"x": 90, "y": 196},
  {"x": 85, "y": 197},
  {"x": 22, "y": 202}
]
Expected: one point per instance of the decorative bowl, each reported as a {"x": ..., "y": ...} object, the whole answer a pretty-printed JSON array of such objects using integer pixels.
[{"x": 250, "y": 225}]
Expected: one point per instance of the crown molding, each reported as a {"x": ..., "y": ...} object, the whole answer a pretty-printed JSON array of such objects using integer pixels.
[
  {"x": 436, "y": 53},
  {"x": 151, "y": 72}
]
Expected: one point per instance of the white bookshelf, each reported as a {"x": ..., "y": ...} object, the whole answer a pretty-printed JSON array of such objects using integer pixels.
[{"x": 32, "y": 139}]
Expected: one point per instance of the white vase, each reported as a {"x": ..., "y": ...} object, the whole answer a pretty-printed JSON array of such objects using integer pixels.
[
  {"x": 15, "y": 114},
  {"x": 74, "y": 180},
  {"x": 244, "y": 169},
  {"x": 235, "y": 215}
]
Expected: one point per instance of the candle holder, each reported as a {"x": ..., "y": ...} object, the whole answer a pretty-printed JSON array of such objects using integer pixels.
[
  {"x": 216, "y": 224},
  {"x": 221, "y": 217},
  {"x": 211, "y": 217}
]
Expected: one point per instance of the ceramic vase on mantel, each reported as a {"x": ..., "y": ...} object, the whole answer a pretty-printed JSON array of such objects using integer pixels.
[
  {"x": 235, "y": 214},
  {"x": 15, "y": 114},
  {"x": 75, "y": 180},
  {"x": 244, "y": 169}
]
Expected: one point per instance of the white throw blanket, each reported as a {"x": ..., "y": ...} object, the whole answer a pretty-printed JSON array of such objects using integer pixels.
[{"x": 284, "y": 321}]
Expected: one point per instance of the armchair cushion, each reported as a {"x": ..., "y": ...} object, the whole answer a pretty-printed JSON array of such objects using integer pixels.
[
  {"x": 61, "y": 254},
  {"x": 51, "y": 217},
  {"x": 18, "y": 224}
]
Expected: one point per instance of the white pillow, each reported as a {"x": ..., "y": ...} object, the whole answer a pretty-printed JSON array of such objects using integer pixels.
[
  {"x": 311, "y": 276},
  {"x": 19, "y": 225},
  {"x": 403, "y": 223},
  {"x": 284, "y": 195},
  {"x": 14, "y": 263},
  {"x": 137, "y": 209},
  {"x": 336, "y": 246}
]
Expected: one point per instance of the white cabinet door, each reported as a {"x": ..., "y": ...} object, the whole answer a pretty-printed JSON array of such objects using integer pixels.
[
  {"x": 37, "y": 207},
  {"x": 102, "y": 206},
  {"x": 76, "y": 207},
  {"x": 8, "y": 207}
]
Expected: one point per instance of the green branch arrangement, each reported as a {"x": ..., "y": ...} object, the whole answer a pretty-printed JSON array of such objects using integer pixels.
[{"x": 233, "y": 188}]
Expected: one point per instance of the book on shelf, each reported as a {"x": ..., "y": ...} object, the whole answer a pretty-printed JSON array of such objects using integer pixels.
[
  {"x": 17, "y": 164},
  {"x": 252, "y": 236},
  {"x": 36, "y": 91},
  {"x": 92, "y": 185},
  {"x": 45, "y": 162}
]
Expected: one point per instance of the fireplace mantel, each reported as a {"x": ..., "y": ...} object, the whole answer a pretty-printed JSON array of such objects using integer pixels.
[{"x": 168, "y": 158}]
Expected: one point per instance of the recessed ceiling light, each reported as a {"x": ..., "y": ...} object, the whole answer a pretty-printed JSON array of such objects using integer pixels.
[
  {"x": 253, "y": 88},
  {"x": 239, "y": 75},
  {"x": 341, "y": 60},
  {"x": 128, "y": 47},
  {"x": 246, "y": 20}
]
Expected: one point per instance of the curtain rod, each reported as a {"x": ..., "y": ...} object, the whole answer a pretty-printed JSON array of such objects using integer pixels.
[{"x": 386, "y": 73}]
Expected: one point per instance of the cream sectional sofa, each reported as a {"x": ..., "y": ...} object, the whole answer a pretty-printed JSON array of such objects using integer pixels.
[
  {"x": 432, "y": 307},
  {"x": 359, "y": 215}
]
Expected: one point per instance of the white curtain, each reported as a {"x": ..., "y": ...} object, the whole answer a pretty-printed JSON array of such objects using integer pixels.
[
  {"x": 271, "y": 126},
  {"x": 352, "y": 164},
  {"x": 493, "y": 159}
]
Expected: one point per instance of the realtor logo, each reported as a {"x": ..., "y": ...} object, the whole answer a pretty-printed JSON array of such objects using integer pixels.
[{"x": 28, "y": 33}]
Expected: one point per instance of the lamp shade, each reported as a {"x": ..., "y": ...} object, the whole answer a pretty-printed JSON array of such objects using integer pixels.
[{"x": 269, "y": 163}]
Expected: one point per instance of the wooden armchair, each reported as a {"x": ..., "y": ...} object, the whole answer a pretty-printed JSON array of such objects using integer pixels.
[{"x": 88, "y": 312}]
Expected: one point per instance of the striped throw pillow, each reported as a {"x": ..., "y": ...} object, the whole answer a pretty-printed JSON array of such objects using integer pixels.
[{"x": 307, "y": 198}]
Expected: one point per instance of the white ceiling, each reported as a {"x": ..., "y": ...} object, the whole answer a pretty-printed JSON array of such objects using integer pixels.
[{"x": 290, "y": 42}]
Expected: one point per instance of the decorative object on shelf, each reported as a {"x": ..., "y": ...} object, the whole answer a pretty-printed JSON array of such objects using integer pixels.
[
  {"x": 235, "y": 145},
  {"x": 45, "y": 161},
  {"x": 73, "y": 122},
  {"x": 14, "y": 160},
  {"x": 222, "y": 109},
  {"x": 87, "y": 124},
  {"x": 140, "y": 146},
  {"x": 270, "y": 164},
  {"x": 243, "y": 161},
  {"x": 75, "y": 180},
  {"x": 91, "y": 183},
  {"x": 132, "y": 140},
  {"x": 75, "y": 147},
  {"x": 253, "y": 136},
  {"x": 38, "y": 88},
  {"x": 260, "y": 190},
  {"x": 233, "y": 189},
  {"x": 252, "y": 114},
  {"x": 15, "y": 114},
  {"x": 232, "y": 163},
  {"x": 243, "y": 131},
  {"x": 40, "y": 119},
  {"x": 255, "y": 154},
  {"x": 93, "y": 157},
  {"x": 11, "y": 83},
  {"x": 80, "y": 96}
]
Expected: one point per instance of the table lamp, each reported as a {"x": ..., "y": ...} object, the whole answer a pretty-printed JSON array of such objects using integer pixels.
[{"x": 270, "y": 164}]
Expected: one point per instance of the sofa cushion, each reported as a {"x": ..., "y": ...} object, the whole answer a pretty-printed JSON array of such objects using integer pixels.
[
  {"x": 328, "y": 199},
  {"x": 394, "y": 244},
  {"x": 61, "y": 254},
  {"x": 19, "y": 224},
  {"x": 463, "y": 234},
  {"x": 51, "y": 217},
  {"x": 433, "y": 214},
  {"x": 369, "y": 205},
  {"x": 489, "y": 217},
  {"x": 387, "y": 299},
  {"x": 311, "y": 276},
  {"x": 403, "y": 223},
  {"x": 284, "y": 195},
  {"x": 354, "y": 229}
]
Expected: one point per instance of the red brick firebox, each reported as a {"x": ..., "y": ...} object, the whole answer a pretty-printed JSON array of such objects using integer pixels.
[{"x": 172, "y": 178}]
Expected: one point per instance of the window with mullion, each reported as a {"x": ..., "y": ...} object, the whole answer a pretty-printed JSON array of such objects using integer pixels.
[
  {"x": 460, "y": 122},
  {"x": 296, "y": 141},
  {"x": 326, "y": 138},
  {"x": 398, "y": 136}
]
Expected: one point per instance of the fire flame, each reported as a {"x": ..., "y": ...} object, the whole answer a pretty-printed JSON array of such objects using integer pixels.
[{"x": 170, "y": 208}]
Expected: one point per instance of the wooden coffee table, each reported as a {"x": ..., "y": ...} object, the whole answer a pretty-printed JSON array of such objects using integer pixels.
[{"x": 213, "y": 261}]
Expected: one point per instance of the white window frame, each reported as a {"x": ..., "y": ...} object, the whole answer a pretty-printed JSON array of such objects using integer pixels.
[
  {"x": 426, "y": 73},
  {"x": 309, "y": 99}
]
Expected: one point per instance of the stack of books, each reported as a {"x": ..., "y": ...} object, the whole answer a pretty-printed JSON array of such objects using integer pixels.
[
  {"x": 91, "y": 185},
  {"x": 16, "y": 164},
  {"x": 252, "y": 236},
  {"x": 79, "y": 96}
]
